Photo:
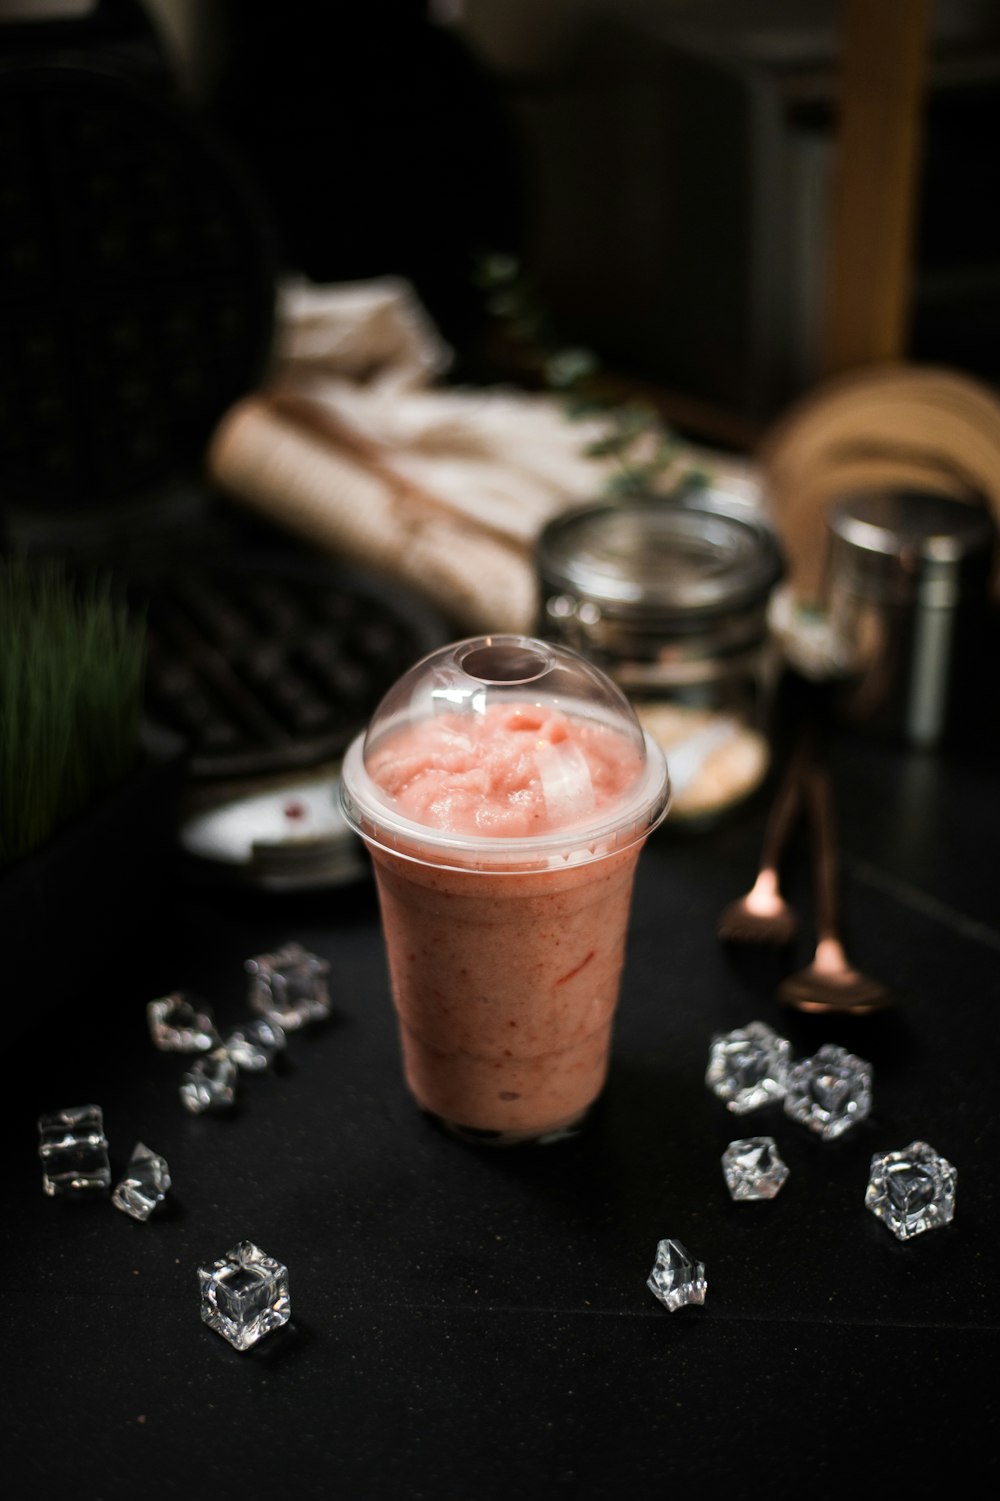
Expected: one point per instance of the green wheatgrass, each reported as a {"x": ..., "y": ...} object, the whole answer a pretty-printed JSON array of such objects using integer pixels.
[{"x": 71, "y": 675}]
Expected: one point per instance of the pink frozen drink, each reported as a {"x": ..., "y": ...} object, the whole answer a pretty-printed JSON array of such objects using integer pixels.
[{"x": 504, "y": 790}]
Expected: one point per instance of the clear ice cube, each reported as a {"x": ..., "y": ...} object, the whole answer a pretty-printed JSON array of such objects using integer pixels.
[
  {"x": 210, "y": 1083},
  {"x": 145, "y": 1184},
  {"x": 748, "y": 1067},
  {"x": 676, "y": 1279},
  {"x": 912, "y": 1190},
  {"x": 244, "y": 1295},
  {"x": 176, "y": 1025},
  {"x": 74, "y": 1151},
  {"x": 254, "y": 1045},
  {"x": 829, "y": 1092},
  {"x": 753, "y": 1168},
  {"x": 289, "y": 986},
  {"x": 567, "y": 786}
]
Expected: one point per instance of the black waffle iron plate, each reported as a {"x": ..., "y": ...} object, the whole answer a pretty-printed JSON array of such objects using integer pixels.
[{"x": 267, "y": 668}]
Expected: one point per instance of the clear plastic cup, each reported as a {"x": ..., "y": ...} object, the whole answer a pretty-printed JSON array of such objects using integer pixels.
[{"x": 504, "y": 790}]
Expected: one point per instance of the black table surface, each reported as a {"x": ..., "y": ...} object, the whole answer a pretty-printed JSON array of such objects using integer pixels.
[{"x": 476, "y": 1323}]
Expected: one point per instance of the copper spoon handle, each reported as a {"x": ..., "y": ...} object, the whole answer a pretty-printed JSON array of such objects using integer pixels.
[
  {"x": 819, "y": 797},
  {"x": 785, "y": 808}
]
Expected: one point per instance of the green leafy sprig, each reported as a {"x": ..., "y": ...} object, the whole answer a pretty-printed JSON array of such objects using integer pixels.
[
  {"x": 71, "y": 673},
  {"x": 636, "y": 436}
]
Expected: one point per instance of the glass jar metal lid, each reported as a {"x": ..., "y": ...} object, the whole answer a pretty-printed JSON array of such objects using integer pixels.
[
  {"x": 910, "y": 544},
  {"x": 678, "y": 558}
]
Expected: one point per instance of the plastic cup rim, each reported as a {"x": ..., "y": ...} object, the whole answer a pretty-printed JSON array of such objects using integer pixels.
[{"x": 380, "y": 826}]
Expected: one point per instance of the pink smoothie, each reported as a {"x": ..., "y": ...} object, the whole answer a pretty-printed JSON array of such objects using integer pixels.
[{"x": 505, "y": 980}]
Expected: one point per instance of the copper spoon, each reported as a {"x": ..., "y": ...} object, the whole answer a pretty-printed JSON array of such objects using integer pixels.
[
  {"x": 830, "y": 982},
  {"x": 763, "y": 916}
]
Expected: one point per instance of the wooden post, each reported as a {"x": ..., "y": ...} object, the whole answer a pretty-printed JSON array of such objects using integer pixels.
[{"x": 870, "y": 245}]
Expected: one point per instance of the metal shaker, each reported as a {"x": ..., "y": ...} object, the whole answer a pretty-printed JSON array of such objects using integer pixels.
[{"x": 908, "y": 599}]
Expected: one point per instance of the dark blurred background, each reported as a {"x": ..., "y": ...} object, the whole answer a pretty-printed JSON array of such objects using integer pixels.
[
  {"x": 664, "y": 170},
  {"x": 727, "y": 203}
]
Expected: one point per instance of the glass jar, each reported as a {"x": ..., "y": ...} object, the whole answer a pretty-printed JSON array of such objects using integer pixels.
[{"x": 669, "y": 595}]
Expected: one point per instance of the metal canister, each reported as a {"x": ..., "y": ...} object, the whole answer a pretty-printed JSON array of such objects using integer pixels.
[
  {"x": 670, "y": 595},
  {"x": 907, "y": 595}
]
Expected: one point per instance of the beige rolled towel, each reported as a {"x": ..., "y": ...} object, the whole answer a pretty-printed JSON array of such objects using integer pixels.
[
  {"x": 446, "y": 490},
  {"x": 300, "y": 478}
]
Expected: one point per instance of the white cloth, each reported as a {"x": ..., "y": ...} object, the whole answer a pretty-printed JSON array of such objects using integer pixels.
[{"x": 353, "y": 445}]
